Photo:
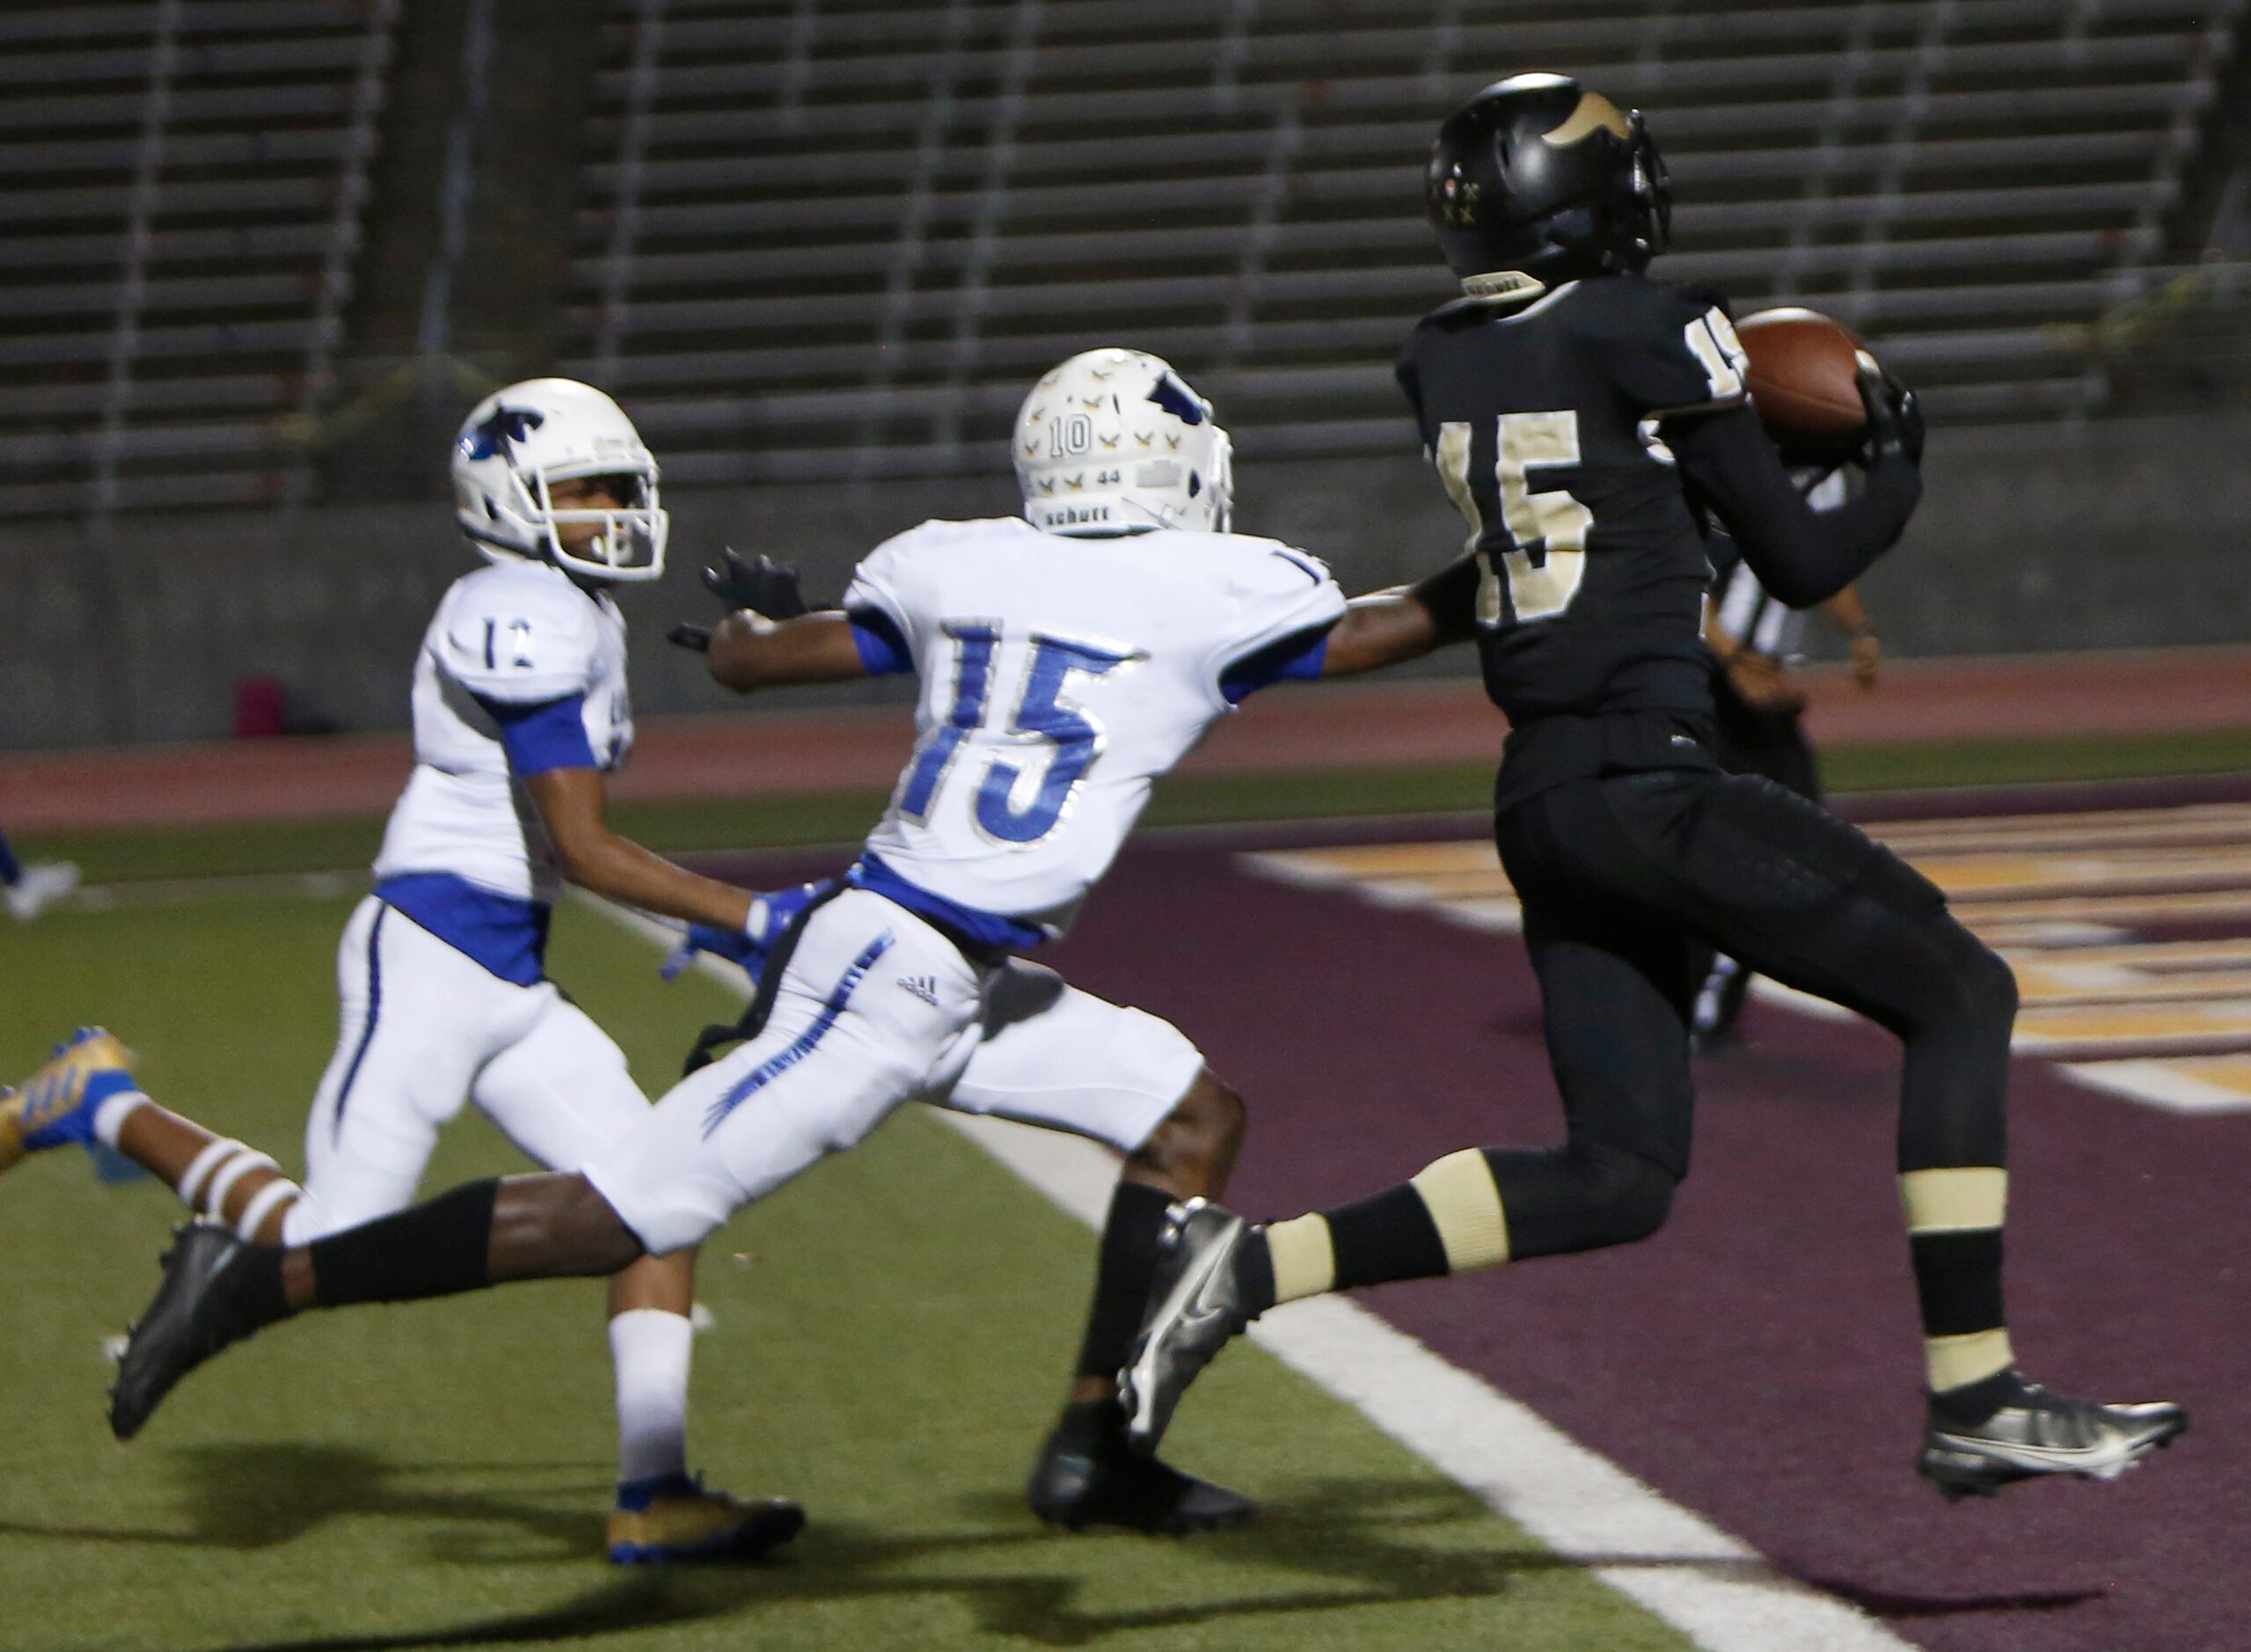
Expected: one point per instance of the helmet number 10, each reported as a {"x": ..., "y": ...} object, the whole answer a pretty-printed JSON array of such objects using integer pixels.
[
  {"x": 1537, "y": 547},
  {"x": 1071, "y": 435}
]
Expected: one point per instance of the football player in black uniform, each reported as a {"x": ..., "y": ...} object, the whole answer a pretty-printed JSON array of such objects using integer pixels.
[{"x": 1577, "y": 411}]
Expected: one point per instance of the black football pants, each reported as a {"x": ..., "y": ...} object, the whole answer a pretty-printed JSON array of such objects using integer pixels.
[
  {"x": 1625, "y": 880},
  {"x": 1749, "y": 739}
]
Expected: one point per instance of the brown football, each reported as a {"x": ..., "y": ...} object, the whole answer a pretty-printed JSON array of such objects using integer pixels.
[{"x": 1804, "y": 381}]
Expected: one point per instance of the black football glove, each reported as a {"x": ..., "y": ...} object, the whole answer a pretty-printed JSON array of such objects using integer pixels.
[
  {"x": 1894, "y": 416},
  {"x": 764, "y": 587}
]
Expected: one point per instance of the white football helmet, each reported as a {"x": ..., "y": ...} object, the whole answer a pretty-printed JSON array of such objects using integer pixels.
[
  {"x": 1114, "y": 441},
  {"x": 518, "y": 441}
]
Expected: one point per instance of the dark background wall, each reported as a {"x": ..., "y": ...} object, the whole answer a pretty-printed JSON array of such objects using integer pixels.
[{"x": 2122, "y": 534}]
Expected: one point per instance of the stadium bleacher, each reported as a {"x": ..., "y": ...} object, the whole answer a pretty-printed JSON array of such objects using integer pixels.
[
  {"x": 829, "y": 238},
  {"x": 185, "y": 180},
  {"x": 824, "y": 238}
]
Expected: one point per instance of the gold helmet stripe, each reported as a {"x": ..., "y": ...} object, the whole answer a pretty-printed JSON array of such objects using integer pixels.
[{"x": 1595, "y": 113}]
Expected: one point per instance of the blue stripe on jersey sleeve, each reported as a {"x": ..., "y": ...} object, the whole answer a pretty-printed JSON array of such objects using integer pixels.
[
  {"x": 882, "y": 649},
  {"x": 1298, "y": 657},
  {"x": 543, "y": 735}
]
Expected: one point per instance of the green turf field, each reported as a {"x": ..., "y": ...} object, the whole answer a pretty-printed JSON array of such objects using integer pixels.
[
  {"x": 891, "y": 1336},
  {"x": 1183, "y": 800}
]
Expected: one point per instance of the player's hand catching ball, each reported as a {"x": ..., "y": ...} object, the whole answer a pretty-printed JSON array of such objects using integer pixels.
[{"x": 1894, "y": 417}]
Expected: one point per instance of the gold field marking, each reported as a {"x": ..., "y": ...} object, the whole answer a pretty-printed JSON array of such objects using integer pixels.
[{"x": 2165, "y": 1022}]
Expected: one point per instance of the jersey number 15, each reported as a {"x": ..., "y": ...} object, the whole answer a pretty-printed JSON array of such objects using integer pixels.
[
  {"x": 1538, "y": 546},
  {"x": 1043, "y": 715}
]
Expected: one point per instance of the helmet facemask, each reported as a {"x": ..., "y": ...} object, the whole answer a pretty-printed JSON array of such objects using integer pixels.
[
  {"x": 519, "y": 445},
  {"x": 630, "y": 538},
  {"x": 1645, "y": 212}
]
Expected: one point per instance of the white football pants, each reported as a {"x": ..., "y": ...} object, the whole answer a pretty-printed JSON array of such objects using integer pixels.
[
  {"x": 424, "y": 1029},
  {"x": 875, "y": 1008}
]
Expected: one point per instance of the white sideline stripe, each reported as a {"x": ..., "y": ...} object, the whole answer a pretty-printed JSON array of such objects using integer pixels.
[{"x": 1712, "y": 1588}]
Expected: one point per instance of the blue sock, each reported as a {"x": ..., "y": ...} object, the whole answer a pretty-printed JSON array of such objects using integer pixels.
[{"x": 12, "y": 871}]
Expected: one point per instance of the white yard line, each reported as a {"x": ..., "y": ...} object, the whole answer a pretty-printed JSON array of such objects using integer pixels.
[
  {"x": 246, "y": 886},
  {"x": 1711, "y": 1587}
]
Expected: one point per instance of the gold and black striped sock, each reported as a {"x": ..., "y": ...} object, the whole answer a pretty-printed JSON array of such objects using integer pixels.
[
  {"x": 1447, "y": 1220},
  {"x": 1954, "y": 1218}
]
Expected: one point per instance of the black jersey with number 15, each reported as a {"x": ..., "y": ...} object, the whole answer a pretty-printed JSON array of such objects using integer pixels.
[{"x": 1540, "y": 419}]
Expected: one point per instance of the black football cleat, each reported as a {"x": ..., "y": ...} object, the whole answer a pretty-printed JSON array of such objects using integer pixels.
[
  {"x": 2038, "y": 1433},
  {"x": 200, "y": 1308},
  {"x": 1076, "y": 1484},
  {"x": 1195, "y": 1307}
]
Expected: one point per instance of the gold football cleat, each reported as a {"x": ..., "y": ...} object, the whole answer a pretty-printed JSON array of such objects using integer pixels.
[
  {"x": 691, "y": 1523},
  {"x": 56, "y": 1104}
]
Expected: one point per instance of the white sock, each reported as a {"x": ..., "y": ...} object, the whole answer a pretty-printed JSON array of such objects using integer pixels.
[
  {"x": 109, "y": 1118},
  {"x": 650, "y": 1349}
]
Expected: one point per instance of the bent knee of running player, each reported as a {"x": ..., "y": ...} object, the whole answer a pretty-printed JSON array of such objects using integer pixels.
[
  {"x": 1613, "y": 994},
  {"x": 1817, "y": 904},
  {"x": 557, "y": 1223},
  {"x": 1192, "y": 1152}
]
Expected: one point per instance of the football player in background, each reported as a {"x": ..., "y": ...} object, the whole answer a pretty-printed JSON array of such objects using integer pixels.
[
  {"x": 1576, "y": 412},
  {"x": 31, "y": 890},
  {"x": 520, "y": 715},
  {"x": 1757, "y": 710},
  {"x": 1065, "y": 664}
]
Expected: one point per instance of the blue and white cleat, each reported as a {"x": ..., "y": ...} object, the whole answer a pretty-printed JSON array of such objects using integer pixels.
[
  {"x": 672, "y": 1519},
  {"x": 58, "y": 1102}
]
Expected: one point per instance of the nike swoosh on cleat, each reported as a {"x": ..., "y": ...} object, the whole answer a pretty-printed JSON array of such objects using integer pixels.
[{"x": 2061, "y": 1456}]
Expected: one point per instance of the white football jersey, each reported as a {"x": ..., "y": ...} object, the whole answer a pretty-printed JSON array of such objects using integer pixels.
[
  {"x": 515, "y": 635},
  {"x": 1059, "y": 677}
]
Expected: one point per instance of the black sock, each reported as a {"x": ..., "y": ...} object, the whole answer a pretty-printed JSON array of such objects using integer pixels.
[
  {"x": 437, "y": 1249},
  {"x": 1972, "y": 1403},
  {"x": 1958, "y": 1281},
  {"x": 1091, "y": 1427},
  {"x": 1958, "y": 1284},
  {"x": 1128, "y": 1258},
  {"x": 258, "y": 1289},
  {"x": 1384, "y": 1238}
]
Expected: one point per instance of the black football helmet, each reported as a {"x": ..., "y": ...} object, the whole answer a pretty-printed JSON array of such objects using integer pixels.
[{"x": 1536, "y": 177}]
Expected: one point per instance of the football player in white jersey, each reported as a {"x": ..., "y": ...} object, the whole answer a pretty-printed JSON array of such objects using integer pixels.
[
  {"x": 520, "y": 712},
  {"x": 1066, "y": 662}
]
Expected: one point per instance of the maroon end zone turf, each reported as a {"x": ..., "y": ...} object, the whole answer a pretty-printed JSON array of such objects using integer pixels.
[{"x": 1758, "y": 1361}]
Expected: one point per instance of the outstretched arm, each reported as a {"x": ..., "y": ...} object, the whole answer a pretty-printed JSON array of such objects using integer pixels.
[
  {"x": 573, "y": 804},
  {"x": 749, "y": 652},
  {"x": 1405, "y": 623}
]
